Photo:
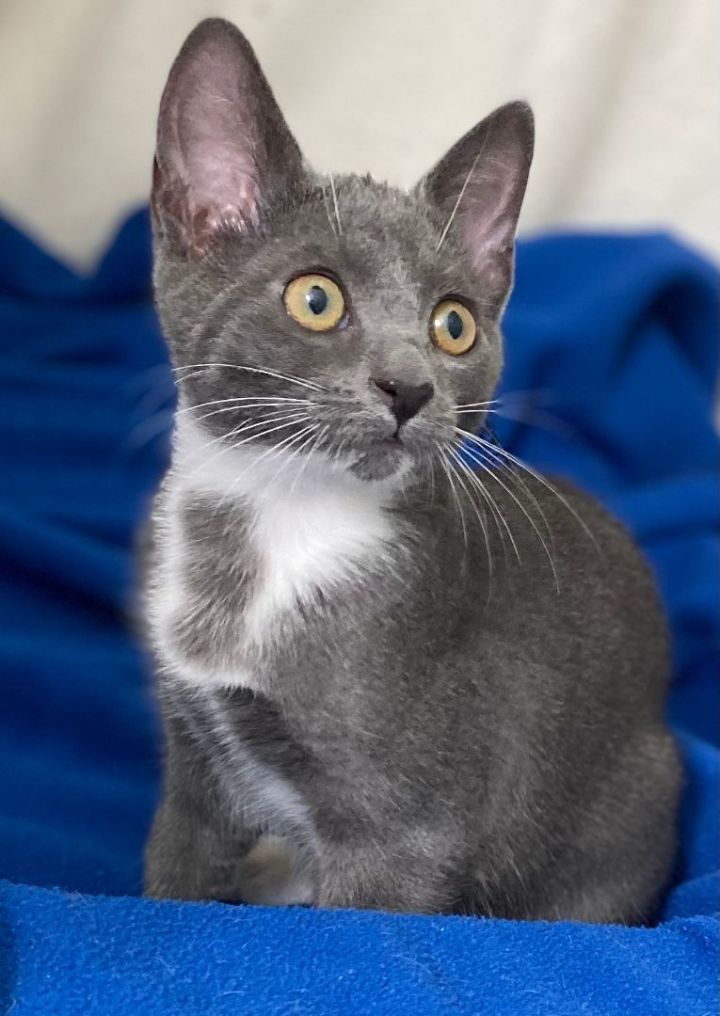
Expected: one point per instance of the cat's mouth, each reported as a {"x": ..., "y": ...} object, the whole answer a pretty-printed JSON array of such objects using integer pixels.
[
  {"x": 382, "y": 458},
  {"x": 377, "y": 448}
]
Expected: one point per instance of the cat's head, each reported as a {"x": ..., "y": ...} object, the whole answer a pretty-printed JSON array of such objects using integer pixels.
[{"x": 332, "y": 315}]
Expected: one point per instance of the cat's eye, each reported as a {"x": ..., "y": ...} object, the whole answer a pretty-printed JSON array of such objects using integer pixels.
[
  {"x": 315, "y": 302},
  {"x": 452, "y": 327}
]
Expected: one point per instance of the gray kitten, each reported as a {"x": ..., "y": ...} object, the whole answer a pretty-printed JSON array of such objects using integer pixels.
[{"x": 392, "y": 675}]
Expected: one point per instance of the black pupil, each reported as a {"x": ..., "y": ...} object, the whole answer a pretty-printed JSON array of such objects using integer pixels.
[
  {"x": 316, "y": 299},
  {"x": 454, "y": 324}
]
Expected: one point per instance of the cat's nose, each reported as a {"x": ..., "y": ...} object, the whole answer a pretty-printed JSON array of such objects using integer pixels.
[{"x": 405, "y": 400}]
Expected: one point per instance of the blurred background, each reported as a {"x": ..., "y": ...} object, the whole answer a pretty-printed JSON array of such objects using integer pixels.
[{"x": 626, "y": 92}]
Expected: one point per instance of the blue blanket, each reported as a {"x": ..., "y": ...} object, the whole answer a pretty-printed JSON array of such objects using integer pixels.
[{"x": 616, "y": 337}]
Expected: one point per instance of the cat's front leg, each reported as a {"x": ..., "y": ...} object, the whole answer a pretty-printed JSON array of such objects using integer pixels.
[
  {"x": 192, "y": 861},
  {"x": 228, "y": 828},
  {"x": 189, "y": 859}
]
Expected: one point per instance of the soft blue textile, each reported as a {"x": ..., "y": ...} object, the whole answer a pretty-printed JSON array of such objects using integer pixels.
[{"x": 616, "y": 336}]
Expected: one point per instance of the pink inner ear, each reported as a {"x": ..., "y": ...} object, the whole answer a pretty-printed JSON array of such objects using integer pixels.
[
  {"x": 216, "y": 146},
  {"x": 488, "y": 236},
  {"x": 208, "y": 147},
  {"x": 224, "y": 150},
  {"x": 223, "y": 186},
  {"x": 489, "y": 215}
]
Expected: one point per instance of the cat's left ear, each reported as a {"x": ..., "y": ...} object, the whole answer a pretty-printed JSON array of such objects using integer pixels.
[
  {"x": 224, "y": 152},
  {"x": 479, "y": 188}
]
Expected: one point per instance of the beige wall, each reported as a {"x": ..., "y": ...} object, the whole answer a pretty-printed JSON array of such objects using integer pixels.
[{"x": 627, "y": 96}]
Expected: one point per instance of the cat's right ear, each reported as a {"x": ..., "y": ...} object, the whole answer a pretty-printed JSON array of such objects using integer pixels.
[{"x": 224, "y": 151}]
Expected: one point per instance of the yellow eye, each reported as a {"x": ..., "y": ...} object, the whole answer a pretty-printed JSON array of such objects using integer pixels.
[
  {"x": 452, "y": 327},
  {"x": 315, "y": 302}
]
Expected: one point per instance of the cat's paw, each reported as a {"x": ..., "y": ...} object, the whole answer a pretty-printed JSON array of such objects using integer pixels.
[{"x": 268, "y": 875}]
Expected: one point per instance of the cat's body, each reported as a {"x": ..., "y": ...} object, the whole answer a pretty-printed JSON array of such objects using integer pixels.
[{"x": 382, "y": 687}]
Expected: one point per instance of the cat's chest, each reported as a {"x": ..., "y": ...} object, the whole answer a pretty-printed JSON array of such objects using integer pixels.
[
  {"x": 311, "y": 542},
  {"x": 242, "y": 570}
]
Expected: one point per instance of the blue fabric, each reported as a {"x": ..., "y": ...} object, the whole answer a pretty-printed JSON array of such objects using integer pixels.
[{"x": 616, "y": 338}]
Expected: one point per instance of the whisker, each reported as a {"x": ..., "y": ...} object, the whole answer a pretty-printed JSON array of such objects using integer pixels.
[
  {"x": 525, "y": 406},
  {"x": 284, "y": 466},
  {"x": 501, "y": 523},
  {"x": 327, "y": 211},
  {"x": 253, "y": 370},
  {"x": 335, "y": 450},
  {"x": 315, "y": 439},
  {"x": 160, "y": 394},
  {"x": 138, "y": 385},
  {"x": 512, "y": 473},
  {"x": 335, "y": 203},
  {"x": 273, "y": 418},
  {"x": 460, "y": 196},
  {"x": 155, "y": 426},
  {"x": 290, "y": 420},
  {"x": 472, "y": 406},
  {"x": 455, "y": 463},
  {"x": 274, "y": 449},
  {"x": 537, "y": 418},
  {"x": 522, "y": 508},
  {"x": 318, "y": 438},
  {"x": 298, "y": 381},
  {"x": 236, "y": 400},
  {"x": 499, "y": 519},
  {"x": 268, "y": 406},
  {"x": 528, "y": 469},
  {"x": 432, "y": 480},
  {"x": 526, "y": 395},
  {"x": 444, "y": 464},
  {"x": 521, "y": 396},
  {"x": 530, "y": 417},
  {"x": 247, "y": 406}
]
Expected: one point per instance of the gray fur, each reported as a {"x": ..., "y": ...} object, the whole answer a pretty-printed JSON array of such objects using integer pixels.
[{"x": 462, "y": 725}]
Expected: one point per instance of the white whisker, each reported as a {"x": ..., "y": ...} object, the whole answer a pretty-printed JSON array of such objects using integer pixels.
[
  {"x": 483, "y": 464},
  {"x": 279, "y": 446},
  {"x": 264, "y": 406},
  {"x": 512, "y": 473},
  {"x": 253, "y": 370},
  {"x": 455, "y": 207},
  {"x": 499, "y": 519},
  {"x": 307, "y": 448},
  {"x": 254, "y": 400},
  {"x": 335, "y": 203},
  {"x": 454, "y": 464},
  {"x": 285, "y": 465},
  {"x": 316, "y": 441},
  {"x": 157, "y": 425},
  {"x": 432, "y": 480},
  {"x": 327, "y": 211},
  {"x": 498, "y": 449},
  {"x": 471, "y": 406},
  {"x": 288, "y": 420},
  {"x": 444, "y": 464},
  {"x": 537, "y": 418}
]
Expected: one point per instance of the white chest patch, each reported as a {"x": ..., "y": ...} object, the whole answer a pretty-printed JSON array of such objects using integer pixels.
[
  {"x": 315, "y": 525},
  {"x": 312, "y": 537}
]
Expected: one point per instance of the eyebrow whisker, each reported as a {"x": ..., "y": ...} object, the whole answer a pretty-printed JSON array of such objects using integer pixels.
[{"x": 335, "y": 202}]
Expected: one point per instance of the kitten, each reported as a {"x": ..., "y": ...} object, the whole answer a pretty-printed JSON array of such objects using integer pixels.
[{"x": 393, "y": 675}]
